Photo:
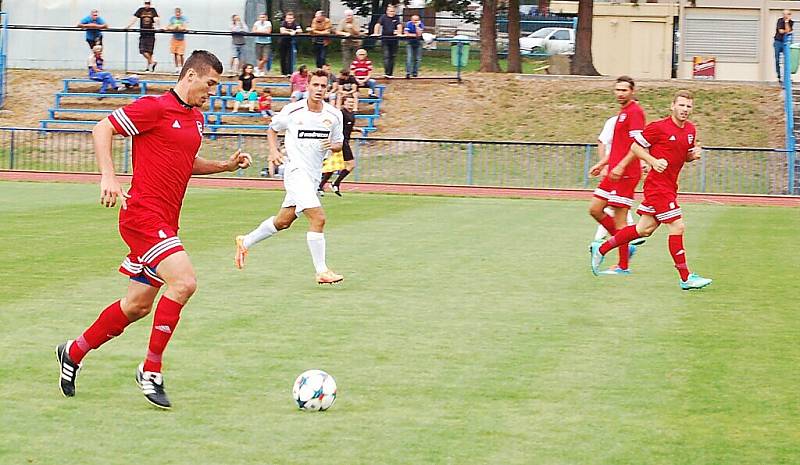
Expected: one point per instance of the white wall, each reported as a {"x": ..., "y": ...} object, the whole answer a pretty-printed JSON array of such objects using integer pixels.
[{"x": 63, "y": 49}]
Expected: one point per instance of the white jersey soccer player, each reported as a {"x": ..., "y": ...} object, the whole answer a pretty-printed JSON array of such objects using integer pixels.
[
  {"x": 605, "y": 140},
  {"x": 313, "y": 130}
]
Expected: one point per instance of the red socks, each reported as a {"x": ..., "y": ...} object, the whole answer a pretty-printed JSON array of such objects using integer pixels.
[
  {"x": 678, "y": 256},
  {"x": 608, "y": 223},
  {"x": 168, "y": 312},
  {"x": 624, "y": 236},
  {"x": 111, "y": 322}
]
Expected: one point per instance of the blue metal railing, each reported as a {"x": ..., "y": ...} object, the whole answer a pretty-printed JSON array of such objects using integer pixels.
[
  {"x": 789, "y": 111},
  {"x": 3, "y": 58},
  {"x": 733, "y": 170}
]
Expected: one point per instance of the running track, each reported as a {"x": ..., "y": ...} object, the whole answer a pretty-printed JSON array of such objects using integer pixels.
[{"x": 416, "y": 189}]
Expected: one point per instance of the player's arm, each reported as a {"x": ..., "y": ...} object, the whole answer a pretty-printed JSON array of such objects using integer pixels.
[
  {"x": 133, "y": 20},
  {"x": 236, "y": 161},
  {"x": 597, "y": 168},
  {"x": 337, "y": 136},
  {"x": 275, "y": 156},
  {"x": 658, "y": 164},
  {"x": 619, "y": 170},
  {"x": 110, "y": 188},
  {"x": 695, "y": 151}
]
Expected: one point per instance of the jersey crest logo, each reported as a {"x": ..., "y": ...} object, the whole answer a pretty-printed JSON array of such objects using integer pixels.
[
  {"x": 672, "y": 137},
  {"x": 162, "y": 234},
  {"x": 691, "y": 138},
  {"x": 199, "y": 128},
  {"x": 623, "y": 117},
  {"x": 327, "y": 123},
  {"x": 176, "y": 125}
]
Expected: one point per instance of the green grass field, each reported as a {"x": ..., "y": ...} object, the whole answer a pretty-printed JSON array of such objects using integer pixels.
[{"x": 467, "y": 331}]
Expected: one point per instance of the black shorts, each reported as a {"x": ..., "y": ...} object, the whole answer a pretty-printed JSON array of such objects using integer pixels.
[
  {"x": 92, "y": 43},
  {"x": 347, "y": 152},
  {"x": 146, "y": 44}
]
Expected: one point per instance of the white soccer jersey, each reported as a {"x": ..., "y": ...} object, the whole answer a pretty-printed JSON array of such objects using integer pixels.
[
  {"x": 607, "y": 134},
  {"x": 305, "y": 130}
]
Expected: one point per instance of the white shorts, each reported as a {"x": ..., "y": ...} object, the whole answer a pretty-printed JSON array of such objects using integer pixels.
[{"x": 301, "y": 190}]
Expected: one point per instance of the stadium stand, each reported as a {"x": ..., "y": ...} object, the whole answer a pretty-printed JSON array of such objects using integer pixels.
[{"x": 217, "y": 118}]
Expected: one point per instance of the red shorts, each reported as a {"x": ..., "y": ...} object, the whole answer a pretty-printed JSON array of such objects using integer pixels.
[
  {"x": 149, "y": 244},
  {"x": 664, "y": 207},
  {"x": 617, "y": 193}
]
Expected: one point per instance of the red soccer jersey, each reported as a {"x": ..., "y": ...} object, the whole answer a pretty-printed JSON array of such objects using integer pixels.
[
  {"x": 166, "y": 136},
  {"x": 630, "y": 124},
  {"x": 361, "y": 68},
  {"x": 667, "y": 140}
]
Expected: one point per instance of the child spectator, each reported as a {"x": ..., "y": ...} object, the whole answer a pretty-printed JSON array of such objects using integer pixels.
[
  {"x": 246, "y": 90},
  {"x": 298, "y": 84},
  {"x": 345, "y": 86},
  {"x": 265, "y": 104},
  {"x": 361, "y": 68}
]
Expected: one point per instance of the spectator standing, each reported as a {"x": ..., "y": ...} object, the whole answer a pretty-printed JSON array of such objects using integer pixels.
[
  {"x": 263, "y": 45},
  {"x": 389, "y": 28},
  {"x": 320, "y": 26},
  {"x": 361, "y": 68},
  {"x": 96, "y": 73},
  {"x": 785, "y": 26},
  {"x": 298, "y": 84},
  {"x": 350, "y": 29},
  {"x": 148, "y": 22},
  {"x": 238, "y": 39},
  {"x": 246, "y": 90},
  {"x": 177, "y": 45},
  {"x": 289, "y": 27},
  {"x": 413, "y": 31},
  {"x": 93, "y": 25}
]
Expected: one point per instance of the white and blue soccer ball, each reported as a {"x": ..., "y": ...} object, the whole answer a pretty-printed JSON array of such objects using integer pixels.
[{"x": 314, "y": 390}]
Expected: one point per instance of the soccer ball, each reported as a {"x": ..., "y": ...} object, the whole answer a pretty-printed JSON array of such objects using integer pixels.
[{"x": 314, "y": 390}]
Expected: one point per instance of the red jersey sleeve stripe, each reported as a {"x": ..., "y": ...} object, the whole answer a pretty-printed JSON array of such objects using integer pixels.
[{"x": 124, "y": 122}]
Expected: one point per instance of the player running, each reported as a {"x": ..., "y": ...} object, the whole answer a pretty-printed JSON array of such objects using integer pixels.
[
  {"x": 671, "y": 143},
  {"x": 166, "y": 132},
  {"x": 313, "y": 130},
  {"x": 617, "y": 187}
]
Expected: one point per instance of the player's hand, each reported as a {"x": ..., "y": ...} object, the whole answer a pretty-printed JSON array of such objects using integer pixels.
[
  {"x": 275, "y": 157},
  {"x": 110, "y": 189},
  {"x": 604, "y": 171},
  {"x": 238, "y": 160},
  {"x": 325, "y": 144},
  {"x": 596, "y": 169},
  {"x": 616, "y": 173},
  {"x": 660, "y": 165},
  {"x": 695, "y": 153}
]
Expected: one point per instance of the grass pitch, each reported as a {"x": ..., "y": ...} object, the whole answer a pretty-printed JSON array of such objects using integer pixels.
[{"x": 467, "y": 331}]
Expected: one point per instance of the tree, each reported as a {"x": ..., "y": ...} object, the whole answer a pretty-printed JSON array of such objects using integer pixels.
[
  {"x": 514, "y": 59},
  {"x": 582, "y": 60},
  {"x": 489, "y": 63}
]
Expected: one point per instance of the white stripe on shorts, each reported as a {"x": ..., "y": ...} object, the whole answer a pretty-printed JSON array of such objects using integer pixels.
[
  {"x": 162, "y": 246},
  {"x": 670, "y": 214}
]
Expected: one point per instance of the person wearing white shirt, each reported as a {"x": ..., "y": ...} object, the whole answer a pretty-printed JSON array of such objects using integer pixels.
[{"x": 313, "y": 130}]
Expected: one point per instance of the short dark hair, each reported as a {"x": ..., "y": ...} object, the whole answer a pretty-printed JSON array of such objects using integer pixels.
[
  {"x": 627, "y": 79},
  {"x": 201, "y": 61},
  {"x": 345, "y": 72},
  {"x": 319, "y": 72}
]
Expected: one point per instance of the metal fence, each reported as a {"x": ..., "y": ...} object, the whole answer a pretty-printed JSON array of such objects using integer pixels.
[{"x": 445, "y": 162}]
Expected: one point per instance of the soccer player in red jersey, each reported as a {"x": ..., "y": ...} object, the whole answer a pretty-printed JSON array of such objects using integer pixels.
[
  {"x": 166, "y": 132},
  {"x": 671, "y": 143},
  {"x": 617, "y": 187}
]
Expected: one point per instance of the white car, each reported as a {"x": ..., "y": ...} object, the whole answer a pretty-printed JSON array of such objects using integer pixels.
[{"x": 549, "y": 40}]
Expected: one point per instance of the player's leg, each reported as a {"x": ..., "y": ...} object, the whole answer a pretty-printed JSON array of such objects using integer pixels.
[
  {"x": 596, "y": 210},
  {"x": 324, "y": 180},
  {"x": 645, "y": 227},
  {"x": 316, "y": 245},
  {"x": 111, "y": 323},
  {"x": 178, "y": 274},
  {"x": 689, "y": 280},
  {"x": 601, "y": 232},
  {"x": 349, "y": 166},
  {"x": 267, "y": 228},
  {"x": 620, "y": 221}
]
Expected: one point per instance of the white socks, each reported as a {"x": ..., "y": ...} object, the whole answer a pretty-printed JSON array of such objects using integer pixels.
[
  {"x": 263, "y": 231},
  {"x": 316, "y": 245}
]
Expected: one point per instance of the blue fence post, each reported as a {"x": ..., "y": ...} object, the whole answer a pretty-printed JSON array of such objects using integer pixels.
[
  {"x": 587, "y": 163},
  {"x": 470, "y": 154},
  {"x": 703, "y": 172},
  {"x": 789, "y": 110},
  {"x": 11, "y": 152},
  {"x": 126, "y": 154}
]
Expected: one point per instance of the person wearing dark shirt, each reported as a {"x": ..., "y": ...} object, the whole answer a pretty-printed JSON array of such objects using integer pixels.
[
  {"x": 148, "y": 21},
  {"x": 389, "y": 28},
  {"x": 289, "y": 27},
  {"x": 246, "y": 90},
  {"x": 348, "y": 123},
  {"x": 785, "y": 26},
  {"x": 93, "y": 25},
  {"x": 345, "y": 85}
]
